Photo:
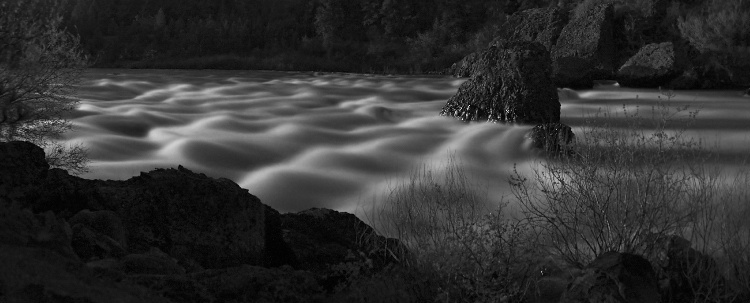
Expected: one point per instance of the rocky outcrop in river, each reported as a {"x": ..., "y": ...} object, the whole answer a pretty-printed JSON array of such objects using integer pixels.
[{"x": 511, "y": 83}]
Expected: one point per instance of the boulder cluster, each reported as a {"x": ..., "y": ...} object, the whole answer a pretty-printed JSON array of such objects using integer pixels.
[
  {"x": 169, "y": 235},
  {"x": 514, "y": 80},
  {"x": 589, "y": 46}
]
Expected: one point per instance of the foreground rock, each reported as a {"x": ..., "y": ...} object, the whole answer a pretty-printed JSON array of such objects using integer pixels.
[
  {"x": 201, "y": 221},
  {"x": 258, "y": 284},
  {"x": 338, "y": 245},
  {"x": 511, "y": 85},
  {"x": 170, "y": 235},
  {"x": 585, "y": 50},
  {"x": 614, "y": 277},
  {"x": 194, "y": 218},
  {"x": 687, "y": 274},
  {"x": 37, "y": 264},
  {"x": 323, "y": 237},
  {"x": 98, "y": 235},
  {"x": 653, "y": 66}
]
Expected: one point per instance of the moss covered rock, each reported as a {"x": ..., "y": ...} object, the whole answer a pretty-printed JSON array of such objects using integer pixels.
[{"x": 511, "y": 84}]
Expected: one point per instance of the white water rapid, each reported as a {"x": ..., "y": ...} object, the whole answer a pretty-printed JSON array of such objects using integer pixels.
[{"x": 301, "y": 140}]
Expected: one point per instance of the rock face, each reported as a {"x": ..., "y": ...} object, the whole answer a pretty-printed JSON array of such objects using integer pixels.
[
  {"x": 324, "y": 237},
  {"x": 614, "y": 277},
  {"x": 512, "y": 85},
  {"x": 542, "y": 25},
  {"x": 257, "y": 284},
  {"x": 37, "y": 264},
  {"x": 23, "y": 163},
  {"x": 653, "y": 66},
  {"x": 685, "y": 270},
  {"x": 585, "y": 49},
  {"x": 467, "y": 65},
  {"x": 190, "y": 216},
  {"x": 337, "y": 245},
  {"x": 199, "y": 220},
  {"x": 170, "y": 235},
  {"x": 98, "y": 235}
]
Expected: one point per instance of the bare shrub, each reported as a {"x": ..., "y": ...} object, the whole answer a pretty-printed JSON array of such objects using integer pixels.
[
  {"x": 469, "y": 250},
  {"x": 721, "y": 231},
  {"x": 624, "y": 185},
  {"x": 39, "y": 65},
  {"x": 720, "y": 25},
  {"x": 632, "y": 186}
]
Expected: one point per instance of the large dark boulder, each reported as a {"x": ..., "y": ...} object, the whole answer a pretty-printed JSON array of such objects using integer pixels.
[
  {"x": 190, "y": 216},
  {"x": 169, "y": 234},
  {"x": 554, "y": 276},
  {"x": 23, "y": 228},
  {"x": 98, "y": 235},
  {"x": 337, "y": 246},
  {"x": 257, "y": 284},
  {"x": 585, "y": 50},
  {"x": 153, "y": 262},
  {"x": 654, "y": 65},
  {"x": 22, "y": 163},
  {"x": 278, "y": 252},
  {"x": 37, "y": 264},
  {"x": 686, "y": 273},
  {"x": 467, "y": 65},
  {"x": 177, "y": 288},
  {"x": 613, "y": 278},
  {"x": 512, "y": 85},
  {"x": 542, "y": 25},
  {"x": 323, "y": 237},
  {"x": 201, "y": 221}
]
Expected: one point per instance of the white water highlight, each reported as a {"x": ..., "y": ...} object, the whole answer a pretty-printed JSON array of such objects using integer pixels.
[{"x": 301, "y": 140}]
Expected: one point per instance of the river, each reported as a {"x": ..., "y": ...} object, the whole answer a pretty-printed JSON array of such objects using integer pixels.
[{"x": 301, "y": 139}]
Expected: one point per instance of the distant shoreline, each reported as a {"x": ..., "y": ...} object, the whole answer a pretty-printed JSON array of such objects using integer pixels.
[{"x": 281, "y": 62}]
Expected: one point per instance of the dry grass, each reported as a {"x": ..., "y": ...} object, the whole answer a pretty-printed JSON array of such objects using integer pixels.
[
  {"x": 627, "y": 189},
  {"x": 463, "y": 248},
  {"x": 624, "y": 185}
]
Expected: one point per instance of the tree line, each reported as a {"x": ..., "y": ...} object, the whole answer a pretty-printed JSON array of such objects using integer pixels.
[{"x": 352, "y": 35}]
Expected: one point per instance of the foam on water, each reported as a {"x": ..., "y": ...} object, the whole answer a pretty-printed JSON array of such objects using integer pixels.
[{"x": 300, "y": 140}]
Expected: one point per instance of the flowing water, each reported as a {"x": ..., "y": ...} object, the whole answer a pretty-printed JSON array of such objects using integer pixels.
[{"x": 301, "y": 140}]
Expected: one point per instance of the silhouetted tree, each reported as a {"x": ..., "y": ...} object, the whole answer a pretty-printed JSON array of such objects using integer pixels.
[{"x": 39, "y": 64}]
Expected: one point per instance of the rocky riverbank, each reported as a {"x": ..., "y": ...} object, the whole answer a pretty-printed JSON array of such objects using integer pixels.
[
  {"x": 596, "y": 44},
  {"x": 169, "y": 235},
  {"x": 173, "y": 235}
]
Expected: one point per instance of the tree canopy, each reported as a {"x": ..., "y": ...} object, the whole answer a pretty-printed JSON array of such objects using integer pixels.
[{"x": 39, "y": 64}]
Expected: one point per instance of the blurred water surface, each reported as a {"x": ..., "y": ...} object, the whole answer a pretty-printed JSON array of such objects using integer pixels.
[{"x": 299, "y": 140}]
